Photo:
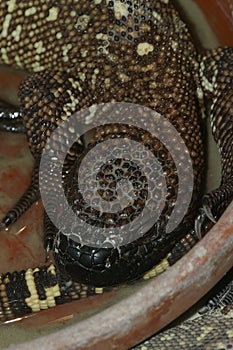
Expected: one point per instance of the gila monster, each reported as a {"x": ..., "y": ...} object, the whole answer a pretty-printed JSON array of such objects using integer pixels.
[{"x": 90, "y": 56}]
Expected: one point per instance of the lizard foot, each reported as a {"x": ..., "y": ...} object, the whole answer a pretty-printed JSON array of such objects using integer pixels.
[
  {"x": 31, "y": 195},
  {"x": 10, "y": 119},
  {"x": 50, "y": 233},
  {"x": 213, "y": 204}
]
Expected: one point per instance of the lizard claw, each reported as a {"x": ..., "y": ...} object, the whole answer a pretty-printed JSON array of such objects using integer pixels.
[
  {"x": 9, "y": 219},
  {"x": 205, "y": 213},
  {"x": 31, "y": 195},
  {"x": 213, "y": 204},
  {"x": 198, "y": 224},
  {"x": 50, "y": 232},
  {"x": 208, "y": 212},
  {"x": 47, "y": 253},
  {"x": 2, "y": 226}
]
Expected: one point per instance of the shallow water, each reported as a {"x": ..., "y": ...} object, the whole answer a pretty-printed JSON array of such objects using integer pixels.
[{"x": 22, "y": 244}]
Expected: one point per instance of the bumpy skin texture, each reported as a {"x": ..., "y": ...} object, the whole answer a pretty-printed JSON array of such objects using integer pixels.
[
  {"x": 140, "y": 53},
  {"x": 215, "y": 336},
  {"x": 37, "y": 289},
  {"x": 82, "y": 53}
]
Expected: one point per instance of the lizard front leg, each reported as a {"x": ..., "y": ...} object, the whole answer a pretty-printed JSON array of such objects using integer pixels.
[
  {"x": 216, "y": 71},
  {"x": 44, "y": 103}
]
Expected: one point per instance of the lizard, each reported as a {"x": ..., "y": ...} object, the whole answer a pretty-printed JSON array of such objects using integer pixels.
[{"x": 80, "y": 54}]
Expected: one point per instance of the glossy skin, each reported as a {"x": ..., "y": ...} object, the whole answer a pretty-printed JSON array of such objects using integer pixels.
[{"x": 82, "y": 53}]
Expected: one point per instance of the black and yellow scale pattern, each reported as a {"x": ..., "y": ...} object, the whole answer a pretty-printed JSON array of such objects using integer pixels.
[
  {"x": 32, "y": 290},
  {"x": 80, "y": 53}
]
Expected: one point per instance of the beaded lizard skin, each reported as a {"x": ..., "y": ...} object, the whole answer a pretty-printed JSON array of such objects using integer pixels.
[{"x": 78, "y": 54}]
